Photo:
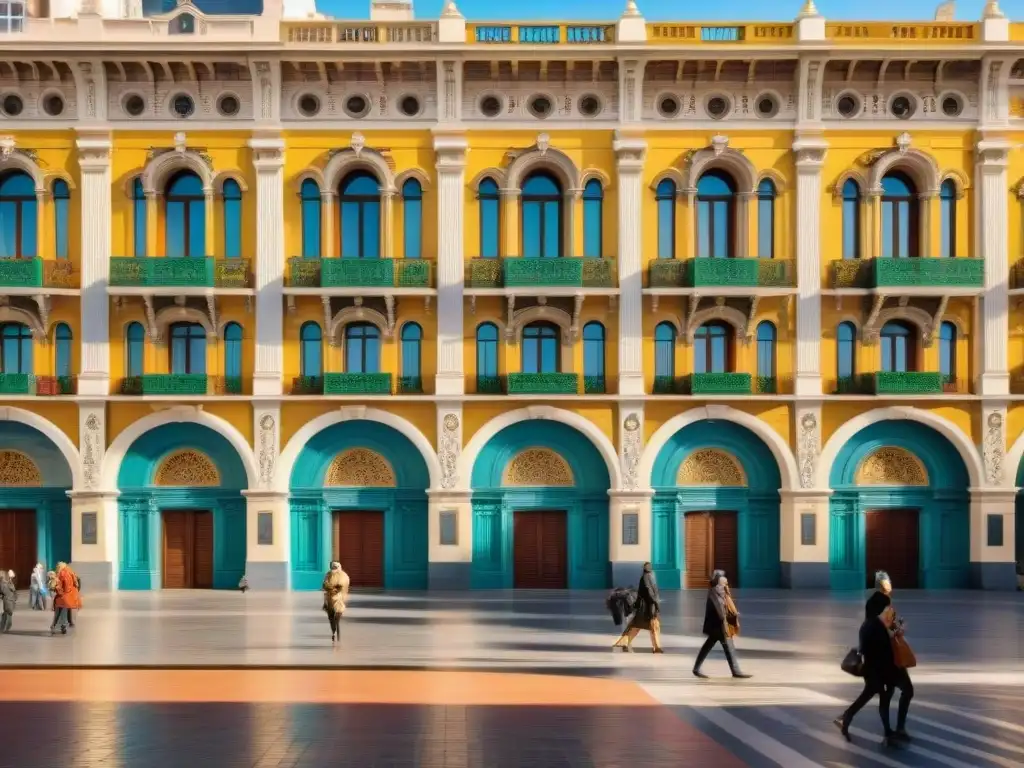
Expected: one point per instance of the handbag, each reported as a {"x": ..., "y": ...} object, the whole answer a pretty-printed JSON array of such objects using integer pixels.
[
  {"x": 902, "y": 653},
  {"x": 853, "y": 663}
]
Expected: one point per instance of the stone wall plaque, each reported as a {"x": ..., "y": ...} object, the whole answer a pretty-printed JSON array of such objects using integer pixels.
[
  {"x": 808, "y": 529},
  {"x": 449, "y": 528},
  {"x": 630, "y": 529},
  {"x": 90, "y": 529},
  {"x": 265, "y": 529},
  {"x": 994, "y": 532}
]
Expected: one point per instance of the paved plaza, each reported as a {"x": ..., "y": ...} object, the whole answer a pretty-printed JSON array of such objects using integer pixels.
[{"x": 489, "y": 680}]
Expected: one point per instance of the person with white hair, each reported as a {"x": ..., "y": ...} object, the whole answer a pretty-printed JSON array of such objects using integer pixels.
[
  {"x": 37, "y": 588},
  {"x": 9, "y": 597},
  {"x": 335, "y": 588}
]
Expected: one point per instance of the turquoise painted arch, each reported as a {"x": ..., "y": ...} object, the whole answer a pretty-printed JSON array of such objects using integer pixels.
[
  {"x": 406, "y": 543},
  {"x": 585, "y": 505},
  {"x": 943, "y": 506},
  {"x": 49, "y": 499},
  {"x": 756, "y": 505},
  {"x": 142, "y": 504},
  {"x": 1019, "y": 517}
]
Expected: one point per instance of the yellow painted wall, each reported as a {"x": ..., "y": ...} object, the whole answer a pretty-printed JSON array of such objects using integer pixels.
[
  {"x": 835, "y": 413},
  {"x": 476, "y": 414},
  {"x": 776, "y": 415},
  {"x": 423, "y": 415}
]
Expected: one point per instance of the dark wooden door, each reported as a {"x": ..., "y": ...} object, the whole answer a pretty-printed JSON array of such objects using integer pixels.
[
  {"x": 188, "y": 549},
  {"x": 539, "y": 551},
  {"x": 892, "y": 544},
  {"x": 18, "y": 544},
  {"x": 202, "y": 562},
  {"x": 359, "y": 546},
  {"x": 711, "y": 542}
]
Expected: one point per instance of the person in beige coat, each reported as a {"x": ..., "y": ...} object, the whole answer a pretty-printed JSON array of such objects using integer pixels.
[{"x": 335, "y": 589}]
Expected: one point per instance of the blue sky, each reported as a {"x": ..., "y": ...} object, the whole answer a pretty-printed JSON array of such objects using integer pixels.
[{"x": 659, "y": 10}]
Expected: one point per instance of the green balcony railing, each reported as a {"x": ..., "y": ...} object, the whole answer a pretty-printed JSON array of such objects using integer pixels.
[
  {"x": 907, "y": 382},
  {"x": 165, "y": 384},
  {"x": 720, "y": 383},
  {"x": 671, "y": 385},
  {"x": 766, "y": 385},
  {"x": 17, "y": 384},
  {"x": 228, "y": 385},
  {"x": 851, "y": 273},
  {"x": 37, "y": 273},
  {"x": 489, "y": 385},
  {"x": 594, "y": 385},
  {"x": 740, "y": 272},
  {"x": 357, "y": 383},
  {"x": 308, "y": 385},
  {"x": 958, "y": 272},
  {"x": 518, "y": 272},
  {"x": 161, "y": 272},
  {"x": 722, "y": 272},
  {"x": 410, "y": 385},
  {"x": 360, "y": 273},
  {"x": 47, "y": 386},
  {"x": 543, "y": 383}
]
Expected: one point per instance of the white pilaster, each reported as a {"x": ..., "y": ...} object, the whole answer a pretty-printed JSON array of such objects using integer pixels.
[
  {"x": 992, "y": 162},
  {"x": 805, "y": 553},
  {"x": 94, "y": 161},
  {"x": 810, "y": 156},
  {"x": 630, "y": 152},
  {"x": 451, "y": 170},
  {"x": 94, "y": 525},
  {"x": 268, "y": 159},
  {"x": 629, "y": 507},
  {"x": 450, "y": 560}
]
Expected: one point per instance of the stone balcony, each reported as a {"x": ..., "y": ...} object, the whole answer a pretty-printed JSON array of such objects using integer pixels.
[
  {"x": 167, "y": 384},
  {"x": 905, "y": 382},
  {"x": 563, "y": 272},
  {"x": 164, "y": 272},
  {"x": 700, "y": 384},
  {"x": 356, "y": 384},
  {"x": 38, "y": 273},
  {"x": 956, "y": 273},
  {"x": 42, "y": 386},
  {"x": 359, "y": 273},
  {"x": 720, "y": 273},
  {"x": 542, "y": 383}
]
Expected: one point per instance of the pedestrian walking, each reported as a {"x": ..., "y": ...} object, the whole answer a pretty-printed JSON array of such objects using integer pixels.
[
  {"x": 721, "y": 624},
  {"x": 9, "y": 598},
  {"x": 37, "y": 589},
  {"x": 66, "y": 598},
  {"x": 335, "y": 588},
  {"x": 646, "y": 614}
]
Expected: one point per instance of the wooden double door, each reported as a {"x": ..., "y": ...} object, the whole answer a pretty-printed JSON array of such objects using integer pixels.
[
  {"x": 892, "y": 543},
  {"x": 539, "y": 550},
  {"x": 711, "y": 541},
  {"x": 358, "y": 544},
  {"x": 188, "y": 549},
  {"x": 19, "y": 543}
]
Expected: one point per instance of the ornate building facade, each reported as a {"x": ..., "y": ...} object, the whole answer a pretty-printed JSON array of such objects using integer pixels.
[{"x": 510, "y": 305}]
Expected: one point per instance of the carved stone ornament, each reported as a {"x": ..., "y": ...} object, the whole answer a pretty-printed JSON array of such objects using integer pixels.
[
  {"x": 993, "y": 448},
  {"x": 903, "y": 142},
  {"x": 449, "y": 453},
  {"x": 719, "y": 144},
  {"x": 360, "y": 468},
  {"x": 91, "y": 450},
  {"x": 268, "y": 450},
  {"x": 358, "y": 143},
  {"x": 543, "y": 144},
  {"x": 631, "y": 450},
  {"x": 809, "y": 449},
  {"x": 709, "y": 466},
  {"x": 890, "y": 465},
  {"x": 187, "y": 469},
  {"x": 19, "y": 471},
  {"x": 538, "y": 467}
]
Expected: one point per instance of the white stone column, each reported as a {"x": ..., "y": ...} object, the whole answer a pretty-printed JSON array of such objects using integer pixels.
[
  {"x": 267, "y": 516},
  {"x": 450, "y": 150},
  {"x": 94, "y": 161},
  {"x": 630, "y": 153},
  {"x": 629, "y": 507},
  {"x": 450, "y": 557},
  {"x": 994, "y": 226},
  {"x": 268, "y": 159},
  {"x": 804, "y": 535},
  {"x": 95, "y": 542},
  {"x": 993, "y": 508},
  {"x": 810, "y": 156}
]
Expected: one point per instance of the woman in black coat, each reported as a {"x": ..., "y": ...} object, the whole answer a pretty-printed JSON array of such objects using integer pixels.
[
  {"x": 715, "y": 627},
  {"x": 646, "y": 615}
]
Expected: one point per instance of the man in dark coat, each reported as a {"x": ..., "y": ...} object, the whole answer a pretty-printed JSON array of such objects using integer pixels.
[
  {"x": 646, "y": 614},
  {"x": 8, "y": 598},
  {"x": 715, "y": 621}
]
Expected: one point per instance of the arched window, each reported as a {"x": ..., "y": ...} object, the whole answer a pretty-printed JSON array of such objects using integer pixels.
[
  {"x": 766, "y": 219},
  {"x": 593, "y": 201},
  {"x": 185, "y": 227},
  {"x": 851, "y": 220},
  {"x": 716, "y": 215},
  {"x": 664, "y": 357},
  {"x": 846, "y": 357},
  {"x": 412, "y": 218},
  {"x": 18, "y": 216},
  {"x": 593, "y": 358},
  {"x": 188, "y": 348},
  {"x": 899, "y": 352},
  {"x": 360, "y": 216},
  {"x": 61, "y": 212},
  {"x": 540, "y": 346},
  {"x": 412, "y": 350},
  {"x": 490, "y": 218},
  {"x": 134, "y": 350},
  {"x": 947, "y": 206},
  {"x": 665, "y": 196},
  {"x": 232, "y": 219},
  {"x": 766, "y": 378},
  {"x": 311, "y": 350},
  {"x": 899, "y": 217},
  {"x": 16, "y": 339},
  {"x": 62, "y": 339},
  {"x": 233, "y": 359},
  {"x": 487, "y": 358},
  {"x": 362, "y": 348},
  {"x": 712, "y": 348},
  {"x": 309, "y": 197},
  {"x": 542, "y": 216},
  {"x": 947, "y": 355}
]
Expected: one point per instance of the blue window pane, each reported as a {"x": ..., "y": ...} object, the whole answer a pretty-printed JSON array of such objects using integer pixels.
[
  {"x": 362, "y": 348},
  {"x": 61, "y": 211},
  {"x": 540, "y": 349},
  {"x": 899, "y": 217},
  {"x": 233, "y": 350},
  {"x": 711, "y": 349},
  {"x": 360, "y": 216},
  {"x": 716, "y": 194},
  {"x": 62, "y": 350},
  {"x": 188, "y": 348},
  {"x": 311, "y": 219},
  {"x": 593, "y": 349},
  {"x": 666, "y": 199},
  {"x": 18, "y": 216},
  {"x": 8, "y": 229},
  {"x": 311, "y": 350},
  {"x": 664, "y": 350},
  {"x": 897, "y": 350},
  {"x": 552, "y": 229},
  {"x": 531, "y": 230},
  {"x": 947, "y": 350},
  {"x": 766, "y": 220},
  {"x": 232, "y": 220},
  {"x": 846, "y": 365},
  {"x": 138, "y": 220},
  {"x": 851, "y": 220},
  {"x": 185, "y": 217},
  {"x": 412, "y": 338},
  {"x": 135, "y": 340},
  {"x": 720, "y": 230},
  {"x": 592, "y": 218},
  {"x": 412, "y": 199},
  {"x": 17, "y": 348},
  {"x": 490, "y": 218},
  {"x": 765, "y": 349},
  {"x": 541, "y": 217},
  {"x": 947, "y": 205},
  {"x": 703, "y": 229},
  {"x": 487, "y": 350}
]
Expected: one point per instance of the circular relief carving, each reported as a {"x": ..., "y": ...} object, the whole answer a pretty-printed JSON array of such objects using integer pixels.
[
  {"x": 357, "y": 106},
  {"x": 538, "y": 467},
  {"x": 890, "y": 465},
  {"x": 952, "y": 105},
  {"x": 540, "y": 107},
  {"x": 995, "y": 420},
  {"x": 228, "y": 105},
  {"x": 53, "y": 104},
  {"x": 902, "y": 107},
  {"x": 490, "y": 106},
  {"x": 766, "y": 106},
  {"x": 183, "y": 105},
  {"x": 133, "y": 104},
  {"x": 709, "y": 466},
  {"x": 309, "y": 105},
  {"x": 451, "y": 422},
  {"x": 409, "y": 106},
  {"x": 12, "y": 105},
  {"x": 18, "y": 470},
  {"x": 360, "y": 468},
  {"x": 848, "y": 105},
  {"x": 808, "y": 422},
  {"x": 717, "y": 107},
  {"x": 589, "y": 105},
  {"x": 267, "y": 422},
  {"x": 632, "y": 423},
  {"x": 188, "y": 469},
  {"x": 668, "y": 106}
]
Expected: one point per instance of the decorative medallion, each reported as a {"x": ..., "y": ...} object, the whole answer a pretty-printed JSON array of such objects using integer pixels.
[
  {"x": 449, "y": 451},
  {"x": 709, "y": 466},
  {"x": 631, "y": 450},
  {"x": 187, "y": 469},
  {"x": 890, "y": 465},
  {"x": 360, "y": 468},
  {"x": 18, "y": 471},
  {"x": 632, "y": 423},
  {"x": 538, "y": 467},
  {"x": 268, "y": 450},
  {"x": 808, "y": 449},
  {"x": 993, "y": 448}
]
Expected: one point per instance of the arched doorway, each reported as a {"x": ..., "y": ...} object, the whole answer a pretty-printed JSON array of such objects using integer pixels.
[
  {"x": 35, "y": 512},
  {"x": 359, "y": 495},
  {"x": 182, "y": 514},
  {"x": 540, "y": 510},
  {"x": 716, "y": 505},
  {"x": 899, "y": 504}
]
